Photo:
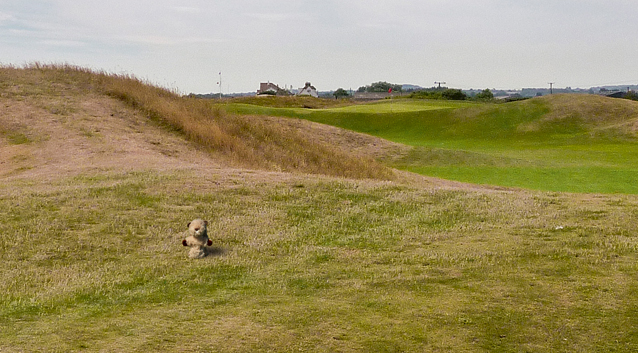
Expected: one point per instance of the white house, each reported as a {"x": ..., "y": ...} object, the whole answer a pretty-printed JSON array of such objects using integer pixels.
[{"x": 308, "y": 90}]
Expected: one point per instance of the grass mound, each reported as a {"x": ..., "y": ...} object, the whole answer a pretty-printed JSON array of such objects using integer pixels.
[
  {"x": 590, "y": 115},
  {"x": 245, "y": 141}
]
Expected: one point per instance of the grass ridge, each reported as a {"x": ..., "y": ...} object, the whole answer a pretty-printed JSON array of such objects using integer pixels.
[{"x": 245, "y": 141}]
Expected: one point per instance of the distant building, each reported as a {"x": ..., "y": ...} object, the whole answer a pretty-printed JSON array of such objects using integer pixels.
[
  {"x": 612, "y": 94},
  {"x": 294, "y": 91},
  {"x": 267, "y": 88},
  {"x": 308, "y": 90}
]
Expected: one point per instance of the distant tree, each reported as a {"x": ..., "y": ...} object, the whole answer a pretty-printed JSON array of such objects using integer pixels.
[
  {"x": 341, "y": 93},
  {"x": 381, "y": 86},
  {"x": 384, "y": 87},
  {"x": 485, "y": 94},
  {"x": 435, "y": 93},
  {"x": 453, "y": 94}
]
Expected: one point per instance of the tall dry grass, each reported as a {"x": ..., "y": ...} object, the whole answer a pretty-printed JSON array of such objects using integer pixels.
[{"x": 241, "y": 140}]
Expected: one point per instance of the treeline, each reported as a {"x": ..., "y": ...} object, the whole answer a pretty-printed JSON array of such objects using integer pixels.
[
  {"x": 381, "y": 86},
  {"x": 427, "y": 93},
  {"x": 451, "y": 94}
]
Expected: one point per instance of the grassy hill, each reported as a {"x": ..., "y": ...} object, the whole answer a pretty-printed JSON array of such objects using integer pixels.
[
  {"x": 96, "y": 188},
  {"x": 576, "y": 143},
  {"x": 240, "y": 140}
]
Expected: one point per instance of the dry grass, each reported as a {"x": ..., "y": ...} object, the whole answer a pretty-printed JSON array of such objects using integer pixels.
[
  {"x": 94, "y": 263},
  {"x": 603, "y": 116},
  {"x": 244, "y": 141}
]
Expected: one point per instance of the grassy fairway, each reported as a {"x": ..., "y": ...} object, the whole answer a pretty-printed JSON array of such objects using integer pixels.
[
  {"x": 397, "y": 106},
  {"x": 560, "y": 143},
  {"x": 94, "y": 263},
  {"x": 266, "y": 106},
  {"x": 597, "y": 168}
]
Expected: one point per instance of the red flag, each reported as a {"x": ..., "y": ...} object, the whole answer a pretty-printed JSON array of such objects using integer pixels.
[{"x": 390, "y": 90}]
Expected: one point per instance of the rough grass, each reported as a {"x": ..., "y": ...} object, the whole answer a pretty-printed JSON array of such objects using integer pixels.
[
  {"x": 95, "y": 263},
  {"x": 241, "y": 140}
]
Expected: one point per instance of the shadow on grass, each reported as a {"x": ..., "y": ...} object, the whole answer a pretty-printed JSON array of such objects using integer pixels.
[{"x": 213, "y": 251}]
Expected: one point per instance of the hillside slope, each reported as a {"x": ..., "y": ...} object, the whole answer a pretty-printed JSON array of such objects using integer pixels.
[
  {"x": 560, "y": 118},
  {"x": 595, "y": 115},
  {"x": 57, "y": 119}
]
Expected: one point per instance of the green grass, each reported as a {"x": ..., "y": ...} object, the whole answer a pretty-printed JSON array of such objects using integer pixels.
[
  {"x": 95, "y": 263},
  {"x": 267, "y": 106},
  {"x": 595, "y": 168},
  {"x": 15, "y": 135},
  {"x": 560, "y": 143},
  {"x": 398, "y": 106}
]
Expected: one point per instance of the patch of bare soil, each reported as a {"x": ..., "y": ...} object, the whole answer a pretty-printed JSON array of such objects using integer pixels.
[{"x": 91, "y": 133}]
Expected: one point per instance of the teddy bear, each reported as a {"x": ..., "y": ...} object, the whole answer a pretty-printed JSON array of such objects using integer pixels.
[{"x": 197, "y": 239}]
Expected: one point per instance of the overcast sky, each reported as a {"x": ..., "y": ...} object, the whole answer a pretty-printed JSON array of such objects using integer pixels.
[{"x": 331, "y": 43}]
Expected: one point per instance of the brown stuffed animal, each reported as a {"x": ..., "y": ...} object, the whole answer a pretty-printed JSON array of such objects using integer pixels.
[{"x": 197, "y": 239}]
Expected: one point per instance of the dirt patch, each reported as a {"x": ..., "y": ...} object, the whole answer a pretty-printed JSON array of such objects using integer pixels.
[{"x": 97, "y": 133}]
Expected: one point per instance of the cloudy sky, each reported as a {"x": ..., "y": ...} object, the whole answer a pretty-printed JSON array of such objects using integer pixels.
[{"x": 332, "y": 43}]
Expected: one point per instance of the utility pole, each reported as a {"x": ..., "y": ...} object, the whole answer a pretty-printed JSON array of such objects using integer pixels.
[
  {"x": 551, "y": 87},
  {"x": 439, "y": 83}
]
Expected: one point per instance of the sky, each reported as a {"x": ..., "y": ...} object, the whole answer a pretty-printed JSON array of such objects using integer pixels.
[{"x": 184, "y": 45}]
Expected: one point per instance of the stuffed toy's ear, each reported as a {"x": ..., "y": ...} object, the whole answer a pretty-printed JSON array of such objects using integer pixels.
[
  {"x": 210, "y": 242},
  {"x": 184, "y": 242},
  {"x": 188, "y": 225}
]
